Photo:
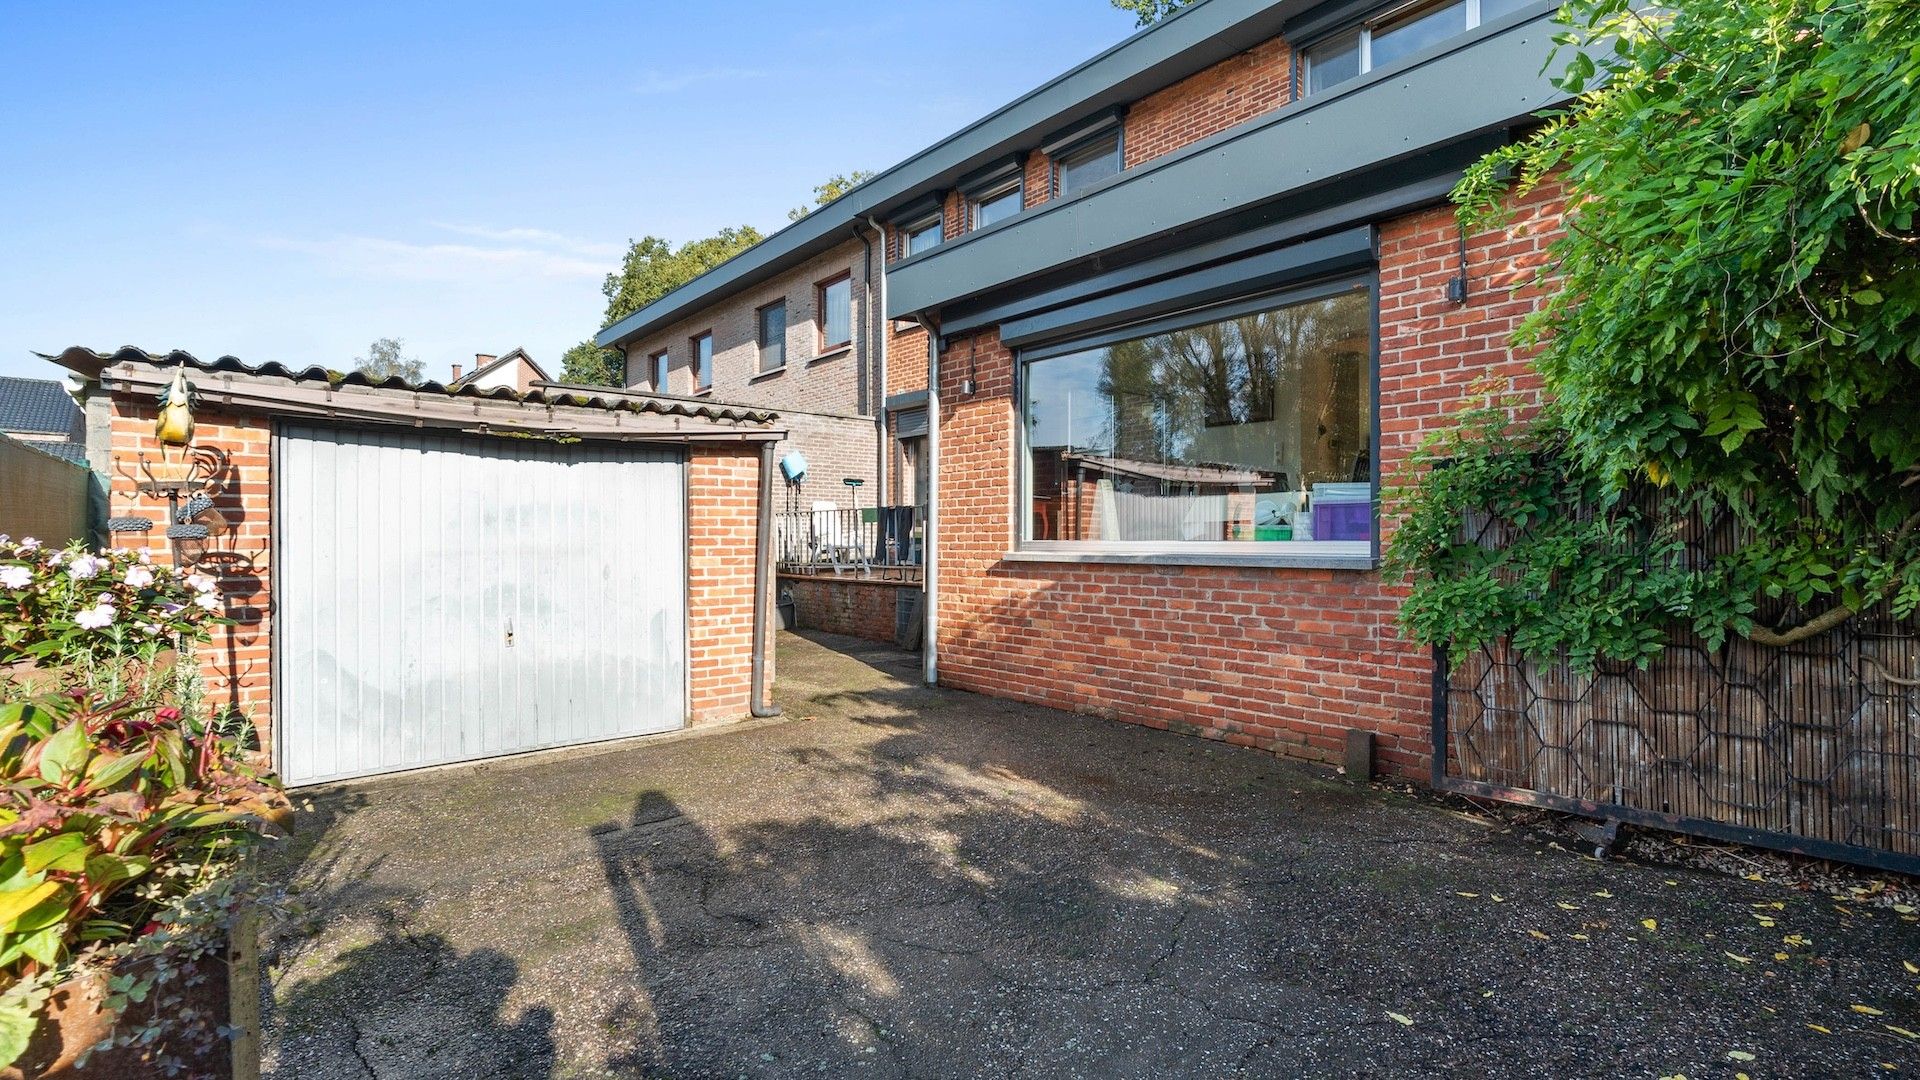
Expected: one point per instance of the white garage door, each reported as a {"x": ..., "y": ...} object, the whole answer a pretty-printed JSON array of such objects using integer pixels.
[{"x": 443, "y": 598}]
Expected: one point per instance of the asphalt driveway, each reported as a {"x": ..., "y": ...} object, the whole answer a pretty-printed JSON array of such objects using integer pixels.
[{"x": 903, "y": 882}]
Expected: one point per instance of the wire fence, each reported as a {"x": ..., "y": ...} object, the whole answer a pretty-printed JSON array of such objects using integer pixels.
[{"x": 886, "y": 541}]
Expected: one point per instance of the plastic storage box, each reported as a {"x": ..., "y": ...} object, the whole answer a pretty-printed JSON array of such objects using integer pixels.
[{"x": 1343, "y": 511}]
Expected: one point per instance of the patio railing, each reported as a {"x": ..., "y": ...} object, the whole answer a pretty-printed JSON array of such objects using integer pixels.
[{"x": 885, "y": 541}]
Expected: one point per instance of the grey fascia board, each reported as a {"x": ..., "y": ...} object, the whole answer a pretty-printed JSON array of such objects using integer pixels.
[
  {"x": 1427, "y": 191},
  {"x": 1483, "y": 83},
  {"x": 921, "y": 209},
  {"x": 1352, "y": 249},
  {"x": 1012, "y": 166},
  {"x": 1081, "y": 131},
  {"x": 908, "y": 400},
  {"x": 1191, "y": 40}
]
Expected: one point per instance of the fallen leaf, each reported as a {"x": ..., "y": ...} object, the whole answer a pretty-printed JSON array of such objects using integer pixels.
[
  {"x": 1468, "y": 895},
  {"x": 1821, "y": 1030},
  {"x": 1903, "y": 1032},
  {"x": 1749, "y": 877},
  {"x": 1651, "y": 924},
  {"x": 1904, "y": 909},
  {"x": 1781, "y": 956},
  {"x": 1796, "y": 941},
  {"x": 1580, "y": 937},
  {"x": 1498, "y": 899},
  {"x": 1564, "y": 906},
  {"x": 1670, "y": 881},
  {"x": 1401, "y": 1018},
  {"x": 1739, "y": 1055},
  {"x": 1604, "y": 894},
  {"x": 1738, "y": 959},
  {"x": 1866, "y": 1010},
  {"x": 1538, "y": 934},
  {"x": 1912, "y": 968}
]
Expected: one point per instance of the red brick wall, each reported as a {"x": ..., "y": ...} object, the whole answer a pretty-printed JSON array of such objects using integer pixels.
[
  {"x": 841, "y": 605},
  {"x": 237, "y": 664},
  {"x": 723, "y": 486},
  {"x": 1235, "y": 90},
  {"x": 1281, "y": 659}
]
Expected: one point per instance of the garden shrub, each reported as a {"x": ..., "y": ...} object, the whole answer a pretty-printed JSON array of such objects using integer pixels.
[{"x": 125, "y": 802}]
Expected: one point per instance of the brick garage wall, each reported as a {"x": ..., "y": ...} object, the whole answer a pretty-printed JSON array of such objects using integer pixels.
[
  {"x": 237, "y": 664},
  {"x": 722, "y": 531},
  {"x": 841, "y": 605},
  {"x": 1280, "y": 659},
  {"x": 723, "y": 489}
]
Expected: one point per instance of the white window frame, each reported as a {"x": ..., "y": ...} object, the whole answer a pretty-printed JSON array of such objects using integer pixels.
[
  {"x": 1365, "y": 46},
  {"x": 1358, "y": 554}
]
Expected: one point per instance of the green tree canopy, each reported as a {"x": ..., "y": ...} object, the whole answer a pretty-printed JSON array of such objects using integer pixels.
[
  {"x": 1736, "y": 319},
  {"x": 385, "y": 360},
  {"x": 1148, "y": 12},
  {"x": 652, "y": 268},
  {"x": 835, "y": 186}
]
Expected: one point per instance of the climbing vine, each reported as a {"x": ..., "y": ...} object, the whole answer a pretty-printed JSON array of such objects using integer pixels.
[{"x": 1735, "y": 321}]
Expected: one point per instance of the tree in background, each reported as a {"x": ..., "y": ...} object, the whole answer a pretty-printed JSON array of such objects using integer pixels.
[
  {"x": 1149, "y": 12},
  {"x": 653, "y": 267},
  {"x": 836, "y": 186},
  {"x": 384, "y": 360}
]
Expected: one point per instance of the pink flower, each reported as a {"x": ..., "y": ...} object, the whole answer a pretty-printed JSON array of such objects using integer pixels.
[
  {"x": 84, "y": 567},
  {"x": 29, "y": 544},
  {"x": 200, "y": 583},
  {"x": 138, "y": 577}
]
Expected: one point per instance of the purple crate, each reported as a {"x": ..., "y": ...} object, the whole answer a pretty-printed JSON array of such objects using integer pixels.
[{"x": 1342, "y": 521}]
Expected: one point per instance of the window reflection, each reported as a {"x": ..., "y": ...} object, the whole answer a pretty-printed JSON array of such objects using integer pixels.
[{"x": 1255, "y": 428}]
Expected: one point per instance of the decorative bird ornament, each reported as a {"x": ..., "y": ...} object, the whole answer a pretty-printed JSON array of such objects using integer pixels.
[{"x": 174, "y": 427}]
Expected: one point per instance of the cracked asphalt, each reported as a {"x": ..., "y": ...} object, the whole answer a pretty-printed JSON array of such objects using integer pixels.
[{"x": 898, "y": 882}]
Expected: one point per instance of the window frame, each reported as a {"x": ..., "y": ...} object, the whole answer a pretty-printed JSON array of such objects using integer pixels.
[
  {"x": 659, "y": 366},
  {"x": 1056, "y": 163},
  {"x": 823, "y": 347},
  {"x": 1015, "y": 186},
  {"x": 760, "y": 335},
  {"x": 934, "y": 223},
  {"x": 1334, "y": 554},
  {"x": 695, "y": 367},
  {"x": 1365, "y": 26}
]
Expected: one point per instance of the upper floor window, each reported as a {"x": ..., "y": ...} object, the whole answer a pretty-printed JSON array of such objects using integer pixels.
[
  {"x": 773, "y": 336},
  {"x": 1081, "y": 167},
  {"x": 836, "y": 312},
  {"x": 703, "y": 361},
  {"x": 1394, "y": 34},
  {"x": 995, "y": 204},
  {"x": 921, "y": 236},
  {"x": 657, "y": 371}
]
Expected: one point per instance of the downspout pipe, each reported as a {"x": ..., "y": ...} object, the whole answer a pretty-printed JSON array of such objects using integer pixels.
[
  {"x": 881, "y": 457},
  {"x": 761, "y": 705},
  {"x": 930, "y": 642}
]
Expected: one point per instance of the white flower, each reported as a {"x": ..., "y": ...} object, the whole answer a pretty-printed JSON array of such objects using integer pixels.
[
  {"x": 200, "y": 583},
  {"x": 15, "y": 577},
  {"x": 98, "y": 617},
  {"x": 145, "y": 559},
  {"x": 148, "y": 628},
  {"x": 84, "y": 567},
  {"x": 138, "y": 577},
  {"x": 29, "y": 544},
  {"x": 55, "y": 558},
  {"x": 207, "y": 601}
]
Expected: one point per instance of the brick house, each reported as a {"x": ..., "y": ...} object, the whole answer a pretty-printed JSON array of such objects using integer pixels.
[
  {"x": 514, "y": 370},
  {"x": 1191, "y": 302}
]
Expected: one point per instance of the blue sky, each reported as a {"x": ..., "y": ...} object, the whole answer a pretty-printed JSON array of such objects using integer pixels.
[{"x": 288, "y": 182}]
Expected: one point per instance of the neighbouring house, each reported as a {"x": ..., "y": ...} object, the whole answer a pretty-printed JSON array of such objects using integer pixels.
[
  {"x": 514, "y": 371},
  {"x": 43, "y": 415},
  {"x": 1190, "y": 303},
  {"x": 422, "y": 574}
]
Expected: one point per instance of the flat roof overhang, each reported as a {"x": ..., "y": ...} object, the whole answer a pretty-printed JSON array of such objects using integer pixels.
[{"x": 1351, "y": 147}]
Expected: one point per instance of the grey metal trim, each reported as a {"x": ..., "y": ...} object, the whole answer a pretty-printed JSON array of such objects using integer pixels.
[
  {"x": 907, "y": 400},
  {"x": 1341, "y": 252},
  {"x": 1275, "y": 562},
  {"x": 993, "y": 176},
  {"x": 1480, "y": 82},
  {"x": 1193, "y": 39},
  {"x": 919, "y": 210},
  {"x": 1429, "y": 191},
  {"x": 1073, "y": 135}
]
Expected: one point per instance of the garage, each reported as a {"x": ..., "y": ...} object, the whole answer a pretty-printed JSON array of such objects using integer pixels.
[
  {"x": 415, "y": 574},
  {"x": 443, "y": 599}
]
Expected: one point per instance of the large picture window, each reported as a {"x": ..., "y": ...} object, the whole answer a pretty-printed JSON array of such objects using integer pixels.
[
  {"x": 1395, "y": 33},
  {"x": 1248, "y": 434}
]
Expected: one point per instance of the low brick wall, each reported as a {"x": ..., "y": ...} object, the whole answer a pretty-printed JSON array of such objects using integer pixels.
[
  {"x": 857, "y": 607},
  {"x": 42, "y": 496}
]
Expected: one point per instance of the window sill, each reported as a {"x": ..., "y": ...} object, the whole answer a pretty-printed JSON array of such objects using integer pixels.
[
  {"x": 1301, "y": 561},
  {"x": 768, "y": 374},
  {"x": 832, "y": 353}
]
